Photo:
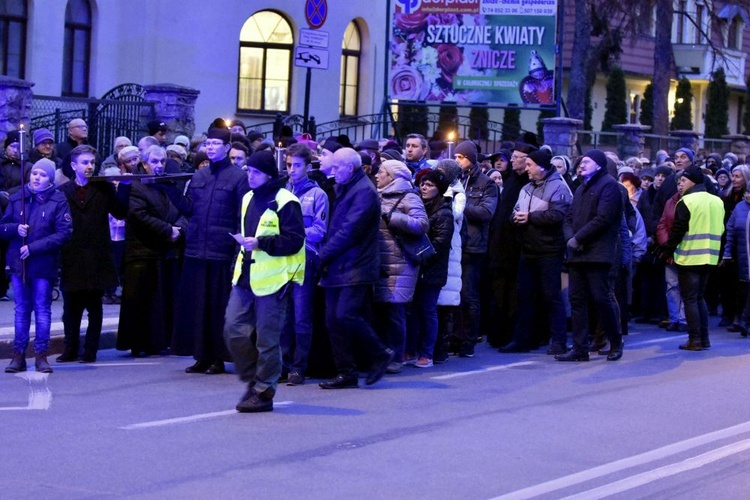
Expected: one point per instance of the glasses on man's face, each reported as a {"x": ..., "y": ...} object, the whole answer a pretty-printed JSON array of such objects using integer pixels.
[
  {"x": 80, "y": 126},
  {"x": 214, "y": 144}
]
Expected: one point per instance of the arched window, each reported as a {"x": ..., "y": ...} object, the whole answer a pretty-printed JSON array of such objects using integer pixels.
[
  {"x": 266, "y": 44},
  {"x": 77, "y": 49},
  {"x": 13, "y": 15},
  {"x": 350, "y": 54}
]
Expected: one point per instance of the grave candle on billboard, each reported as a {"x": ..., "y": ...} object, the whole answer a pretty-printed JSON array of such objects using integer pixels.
[{"x": 497, "y": 52}]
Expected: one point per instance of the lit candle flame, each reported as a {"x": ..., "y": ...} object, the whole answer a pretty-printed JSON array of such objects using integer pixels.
[
  {"x": 451, "y": 135},
  {"x": 228, "y": 122}
]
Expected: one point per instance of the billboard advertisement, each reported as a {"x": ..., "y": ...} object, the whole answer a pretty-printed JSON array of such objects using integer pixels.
[{"x": 497, "y": 52}]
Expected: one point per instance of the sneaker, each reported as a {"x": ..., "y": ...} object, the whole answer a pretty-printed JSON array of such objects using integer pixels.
[
  {"x": 423, "y": 362},
  {"x": 256, "y": 403},
  {"x": 440, "y": 358},
  {"x": 466, "y": 351},
  {"x": 409, "y": 360},
  {"x": 4, "y": 298},
  {"x": 394, "y": 367},
  {"x": 295, "y": 378}
]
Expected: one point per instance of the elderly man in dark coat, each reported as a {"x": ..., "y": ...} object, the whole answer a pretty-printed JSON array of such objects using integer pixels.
[
  {"x": 350, "y": 266},
  {"x": 591, "y": 229}
]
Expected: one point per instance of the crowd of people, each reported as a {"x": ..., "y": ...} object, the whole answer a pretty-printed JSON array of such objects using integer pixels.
[{"x": 294, "y": 258}]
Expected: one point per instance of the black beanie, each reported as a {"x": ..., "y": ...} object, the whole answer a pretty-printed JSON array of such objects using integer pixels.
[
  {"x": 219, "y": 133},
  {"x": 598, "y": 156},
  {"x": 265, "y": 162},
  {"x": 438, "y": 178},
  {"x": 331, "y": 145},
  {"x": 542, "y": 158},
  {"x": 468, "y": 149},
  {"x": 663, "y": 170},
  {"x": 391, "y": 154},
  {"x": 12, "y": 137},
  {"x": 694, "y": 173},
  {"x": 522, "y": 147}
]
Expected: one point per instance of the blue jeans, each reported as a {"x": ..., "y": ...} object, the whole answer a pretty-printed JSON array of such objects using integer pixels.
[
  {"x": 252, "y": 331},
  {"x": 296, "y": 336},
  {"x": 35, "y": 295},
  {"x": 675, "y": 306},
  {"x": 423, "y": 321}
]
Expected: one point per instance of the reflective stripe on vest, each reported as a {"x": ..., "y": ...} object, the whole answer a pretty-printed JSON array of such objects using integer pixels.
[
  {"x": 702, "y": 242},
  {"x": 268, "y": 274}
]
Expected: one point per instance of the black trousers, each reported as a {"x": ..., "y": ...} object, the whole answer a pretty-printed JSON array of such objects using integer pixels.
[
  {"x": 591, "y": 286},
  {"x": 74, "y": 303}
]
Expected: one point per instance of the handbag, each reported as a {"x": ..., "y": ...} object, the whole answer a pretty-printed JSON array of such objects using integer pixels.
[{"x": 416, "y": 248}]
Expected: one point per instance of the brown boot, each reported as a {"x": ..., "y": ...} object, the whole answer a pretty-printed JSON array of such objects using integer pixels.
[
  {"x": 692, "y": 344},
  {"x": 42, "y": 365},
  {"x": 17, "y": 363}
]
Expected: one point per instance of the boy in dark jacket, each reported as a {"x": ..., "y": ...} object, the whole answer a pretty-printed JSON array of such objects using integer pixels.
[
  {"x": 37, "y": 223},
  {"x": 88, "y": 266}
]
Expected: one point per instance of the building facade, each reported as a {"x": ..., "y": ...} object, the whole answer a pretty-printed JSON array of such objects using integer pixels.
[{"x": 240, "y": 54}]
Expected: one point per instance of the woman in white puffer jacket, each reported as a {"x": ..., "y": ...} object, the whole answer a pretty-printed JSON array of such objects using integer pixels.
[{"x": 450, "y": 295}]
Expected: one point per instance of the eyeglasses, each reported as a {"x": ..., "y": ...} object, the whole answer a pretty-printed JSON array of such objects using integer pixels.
[
  {"x": 80, "y": 126},
  {"x": 214, "y": 144},
  {"x": 428, "y": 184}
]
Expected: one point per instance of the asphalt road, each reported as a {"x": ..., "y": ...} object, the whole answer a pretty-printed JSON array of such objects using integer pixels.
[{"x": 660, "y": 423}]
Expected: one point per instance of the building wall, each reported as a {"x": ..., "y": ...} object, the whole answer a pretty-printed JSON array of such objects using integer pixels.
[{"x": 196, "y": 44}]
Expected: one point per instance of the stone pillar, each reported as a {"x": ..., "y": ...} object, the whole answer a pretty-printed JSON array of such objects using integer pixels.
[
  {"x": 561, "y": 134},
  {"x": 630, "y": 140},
  {"x": 739, "y": 145},
  {"x": 15, "y": 104},
  {"x": 688, "y": 138},
  {"x": 175, "y": 106}
]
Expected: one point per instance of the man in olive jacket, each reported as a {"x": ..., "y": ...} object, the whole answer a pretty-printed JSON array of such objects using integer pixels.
[{"x": 591, "y": 230}]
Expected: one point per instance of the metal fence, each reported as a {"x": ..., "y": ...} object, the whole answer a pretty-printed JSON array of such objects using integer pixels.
[
  {"x": 106, "y": 118},
  {"x": 609, "y": 141}
]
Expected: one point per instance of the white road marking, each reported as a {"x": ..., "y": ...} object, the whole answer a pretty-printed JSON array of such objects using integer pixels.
[
  {"x": 663, "y": 472},
  {"x": 657, "y": 341},
  {"x": 626, "y": 463},
  {"x": 104, "y": 364},
  {"x": 40, "y": 397},
  {"x": 483, "y": 370},
  {"x": 191, "y": 418}
]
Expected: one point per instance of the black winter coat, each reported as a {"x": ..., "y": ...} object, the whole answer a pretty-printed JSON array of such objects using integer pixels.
[
  {"x": 87, "y": 261},
  {"x": 594, "y": 220},
  {"x": 148, "y": 227},
  {"x": 435, "y": 271},
  {"x": 351, "y": 253},
  {"x": 212, "y": 203},
  {"x": 481, "y": 203}
]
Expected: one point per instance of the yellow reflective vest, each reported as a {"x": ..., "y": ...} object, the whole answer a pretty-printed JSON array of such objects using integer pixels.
[
  {"x": 268, "y": 274},
  {"x": 701, "y": 243}
]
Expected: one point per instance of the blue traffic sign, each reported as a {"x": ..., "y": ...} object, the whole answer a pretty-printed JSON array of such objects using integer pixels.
[{"x": 316, "y": 12}]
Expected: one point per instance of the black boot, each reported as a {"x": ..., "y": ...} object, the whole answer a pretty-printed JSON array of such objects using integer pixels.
[{"x": 17, "y": 363}]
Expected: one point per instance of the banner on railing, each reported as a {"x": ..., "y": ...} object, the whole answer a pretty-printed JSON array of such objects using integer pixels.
[{"x": 497, "y": 52}]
